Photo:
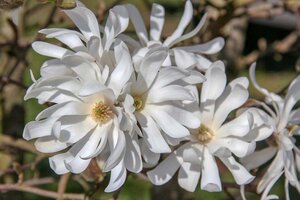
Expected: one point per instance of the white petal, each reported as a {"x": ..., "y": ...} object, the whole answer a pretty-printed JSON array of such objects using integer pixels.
[
  {"x": 122, "y": 71},
  {"x": 275, "y": 168},
  {"x": 133, "y": 160},
  {"x": 232, "y": 98},
  {"x": 50, "y": 50},
  {"x": 184, "y": 59},
  {"x": 152, "y": 134},
  {"x": 68, "y": 108},
  {"x": 85, "y": 20},
  {"x": 169, "y": 93},
  {"x": 55, "y": 67},
  {"x": 202, "y": 63},
  {"x": 118, "y": 152},
  {"x": 211, "y": 47},
  {"x": 49, "y": 144},
  {"x": 165, "y": 170},
  {"x": 37, "y": 129},
  {"x": 74, "y": 128},
  {"x": 151, "y": 159},
  {"x": 240, "y": 174},
  {"x": 212, "y": 88},
  {"x": 138, "y": 23},
  {"x": 95, "y": 47},
  {"x": 210, "y": 180},
  {"x": 157, "y": 20},
  {"x": 183, "y": 115},
  {"x": 168, "y": 75},
  {"x": 190, "y": 34},
  {"x": 96, "y": 142},
  {"x": 184, "y": 22},
  {"x": 240, "y": 126},
  {"x": 85, "y": 70},
  {"x": 239, "y": 147},
  {"x": 117, "y": 178},
  {"x": 292, "y": 97},
  {"x": 103, "y": 131},
  {"x": 262, "y": 127},
  {"x": 51, "y": 95},
  {"x": 164, "y": 120},
  {"x": 258, "y": 158},
  {"x": 149, "y": 68},
  {"x": 57, "y": 163},
  {"x": 188, "y": 176}
]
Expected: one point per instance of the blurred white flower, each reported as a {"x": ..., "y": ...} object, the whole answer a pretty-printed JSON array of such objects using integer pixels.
[
  {"x": 185, "y": 57},
  {"x": 282, "y": 145},
  {"x": 214, "y": 137}
]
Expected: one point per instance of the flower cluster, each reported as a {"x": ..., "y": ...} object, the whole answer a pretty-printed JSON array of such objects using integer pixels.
[{"x": 125, "y": 102}]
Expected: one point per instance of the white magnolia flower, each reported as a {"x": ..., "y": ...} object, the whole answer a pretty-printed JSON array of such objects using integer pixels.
[
  {"x": 155, "y": 96},
  {"x": 214, "y": 137},
  {"x": 185, "y": 57},
  {"x": 282, "y": 145},
  {"x": 84, "y": 83},
  {"x": 88, "y": 43}
]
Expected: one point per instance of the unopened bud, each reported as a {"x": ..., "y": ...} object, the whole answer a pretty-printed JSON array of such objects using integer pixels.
[
  {"x": 10, "y": 4},
  {"x": 66, "y": 4}
]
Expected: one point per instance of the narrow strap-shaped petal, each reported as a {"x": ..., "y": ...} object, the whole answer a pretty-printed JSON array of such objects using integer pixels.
[
  {"x": 184, "y": 22},
  {"x": 190, "y": 34},
  {"x": 239, "y": 172},
  {"x": 157, "y": 20},
  {"x": 211, "y": 47},
  {"x": 165, "y": 170},
  {"x": 138, "y": 23},
  {"x": 210, "y": 180},
  {"x": 163, "y": 119},
  {"x": 133, "y": 159},
  {"x": 148, "y": 70},
  {"x": 188, "y": 176},
  {"x": 117, "y": 177},
  {"x": 123, "y": 71},
  {"x": 152, "y": 134},
  {"x": 85, "y": 20},
  {"x": 50, "y": 50}
]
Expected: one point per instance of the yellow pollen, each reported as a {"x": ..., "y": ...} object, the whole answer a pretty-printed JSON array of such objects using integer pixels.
[
  {"x": 138, "y": 103},
  {"x": 101, "y": 112},
  {"x": 205, "y": 134}
]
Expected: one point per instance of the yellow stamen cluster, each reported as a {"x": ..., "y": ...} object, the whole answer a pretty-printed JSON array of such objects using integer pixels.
[
  {"x": 101, "y": 112},
  {"x": 138, "y": 103},
  {"x": 205, "y": 135}
]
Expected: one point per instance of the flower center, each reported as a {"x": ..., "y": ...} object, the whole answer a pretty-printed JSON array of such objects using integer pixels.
[
  {"x": 101, "y": 112},
  {"x": 205, "y": 134},
  {"x": 138, "y": 103}
]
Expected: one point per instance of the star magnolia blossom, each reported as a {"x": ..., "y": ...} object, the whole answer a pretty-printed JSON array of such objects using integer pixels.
[
  {"x": 214, "y": 137},
  {"x": 282, "y": 145},
  {"x": 86, "y": 120},
  {"x": 156, "y": 94},
  {"x": 85, "y": 82},
  {"x": 87, "y": 43},
  {"x": 185, "y": 57}
]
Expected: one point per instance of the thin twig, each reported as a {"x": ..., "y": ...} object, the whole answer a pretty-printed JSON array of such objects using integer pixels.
[
  {"x": 40, "y": 192},
  {"x": 62, "y": 185}
]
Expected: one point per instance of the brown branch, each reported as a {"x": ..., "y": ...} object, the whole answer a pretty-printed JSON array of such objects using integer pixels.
[
  {"x": 40, "y": 192},
  {"x": 62, "y": 185},
  {"x": 18, "y": 143}
]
